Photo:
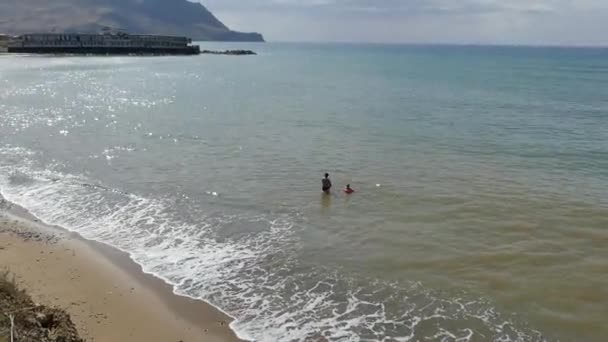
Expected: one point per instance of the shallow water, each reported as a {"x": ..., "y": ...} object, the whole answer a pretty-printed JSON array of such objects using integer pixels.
[{"x": 481, "y": 177}]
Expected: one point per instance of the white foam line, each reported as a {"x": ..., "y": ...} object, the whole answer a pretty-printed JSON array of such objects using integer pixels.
[{"x": 239, "y": 334}]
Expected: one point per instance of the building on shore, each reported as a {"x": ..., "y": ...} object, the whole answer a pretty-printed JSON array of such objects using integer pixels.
[
  {"x": 106, "y": 44},
  {"x": 4, "y": 39}
]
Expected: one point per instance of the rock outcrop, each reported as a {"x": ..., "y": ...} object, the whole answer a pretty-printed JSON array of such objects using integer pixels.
[{"x": 229, "y": 52}]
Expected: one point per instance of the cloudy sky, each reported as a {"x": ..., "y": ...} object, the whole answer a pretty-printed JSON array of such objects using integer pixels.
[{"x": 549, "y": 22}]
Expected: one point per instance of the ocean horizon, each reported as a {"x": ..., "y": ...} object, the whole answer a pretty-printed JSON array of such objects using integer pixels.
[
  {"x": 424, "y": 44},
  {"x": 480, "y": 210}
]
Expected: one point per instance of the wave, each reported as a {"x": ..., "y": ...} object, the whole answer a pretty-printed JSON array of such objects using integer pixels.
[{"x": 256, "y": 277}]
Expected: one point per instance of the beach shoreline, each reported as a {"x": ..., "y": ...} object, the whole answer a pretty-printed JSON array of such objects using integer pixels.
[{"x": 107, "y": 294}]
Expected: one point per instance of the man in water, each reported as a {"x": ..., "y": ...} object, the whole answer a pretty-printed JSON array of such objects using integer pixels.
[{"x": 326, "y": 184}]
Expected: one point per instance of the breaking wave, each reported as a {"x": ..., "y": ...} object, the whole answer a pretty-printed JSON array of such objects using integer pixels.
[{"x": 256, "y": 277}]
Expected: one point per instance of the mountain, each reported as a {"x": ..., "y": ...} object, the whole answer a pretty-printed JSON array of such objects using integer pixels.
[{"x": 171, "y": 17}]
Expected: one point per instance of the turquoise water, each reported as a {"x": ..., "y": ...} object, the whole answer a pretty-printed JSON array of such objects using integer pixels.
[{"x": 481, "y": 178}]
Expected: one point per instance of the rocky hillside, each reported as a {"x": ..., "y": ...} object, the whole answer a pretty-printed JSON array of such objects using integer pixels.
[{"x": 175, "y": 17}]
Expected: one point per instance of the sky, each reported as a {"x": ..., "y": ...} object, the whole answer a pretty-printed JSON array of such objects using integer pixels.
[{"x": 526, "y": 22}]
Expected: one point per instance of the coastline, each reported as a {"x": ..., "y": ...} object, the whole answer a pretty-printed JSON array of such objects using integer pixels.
[{"x": 106, "y": 293}]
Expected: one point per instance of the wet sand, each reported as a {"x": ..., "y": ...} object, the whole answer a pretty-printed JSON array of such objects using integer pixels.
[{"x": 106, "y": 293}]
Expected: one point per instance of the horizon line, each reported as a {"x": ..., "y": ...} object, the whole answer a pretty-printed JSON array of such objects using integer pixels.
[{"x": 463, "y": 44}]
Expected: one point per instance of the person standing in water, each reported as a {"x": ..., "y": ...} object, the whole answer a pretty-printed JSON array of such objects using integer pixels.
[{"x": 326, "y": 184}]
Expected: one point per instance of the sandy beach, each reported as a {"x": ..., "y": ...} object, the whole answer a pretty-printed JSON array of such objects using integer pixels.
[{"x": 107, "y": 295}]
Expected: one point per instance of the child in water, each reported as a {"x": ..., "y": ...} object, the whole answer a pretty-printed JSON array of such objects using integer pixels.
[{"x": 348, "y": 189}]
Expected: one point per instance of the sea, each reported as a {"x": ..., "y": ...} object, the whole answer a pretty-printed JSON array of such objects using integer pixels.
[{"x": 480, "y": 210}]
